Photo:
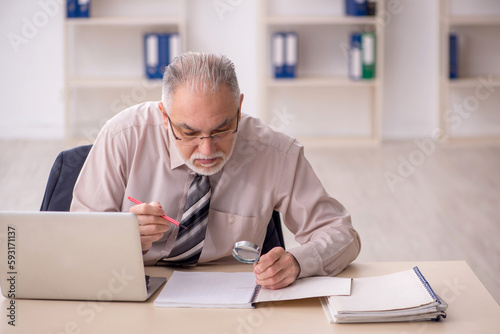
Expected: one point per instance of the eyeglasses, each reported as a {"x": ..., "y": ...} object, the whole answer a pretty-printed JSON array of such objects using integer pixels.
[{"x": 216, "y": 137}]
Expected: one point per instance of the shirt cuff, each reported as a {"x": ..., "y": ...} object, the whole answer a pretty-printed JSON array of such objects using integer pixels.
[{"x": 309, "y": 260}]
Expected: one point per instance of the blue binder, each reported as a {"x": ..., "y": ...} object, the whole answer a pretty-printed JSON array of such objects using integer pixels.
[
  {"x": 72, "y": 8},
  {"x": 291, "y": 54},
  {"x": 159, "y": 51},
  {"x": 356, "y": 7},
  {"x": 355, "y": 57},
  {"x": 278, "y": 54},
  {"x": 84, "y": 8},
  {"x": 77, "y": 8},
  {"x": 453, "y": 56},
  {"x": 152, "y": 56},
  {"x": 164, "y": 53}
]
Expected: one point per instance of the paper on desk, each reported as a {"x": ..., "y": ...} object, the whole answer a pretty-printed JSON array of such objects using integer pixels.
[
  {"x": 207, "y": 289},
  {"x": 238, "y": 290},
  {"x": 308, "y": 287}
]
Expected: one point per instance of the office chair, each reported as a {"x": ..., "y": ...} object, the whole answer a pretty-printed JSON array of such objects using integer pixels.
[
  {"x": 62, "y": 179},
  {"x": 65, "y": 171}
]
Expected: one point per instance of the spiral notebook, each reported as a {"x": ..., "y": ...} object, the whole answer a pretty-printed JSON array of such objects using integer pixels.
[
  {"x": 402, "y": 296},
  {"x": 238, "y": 290}
]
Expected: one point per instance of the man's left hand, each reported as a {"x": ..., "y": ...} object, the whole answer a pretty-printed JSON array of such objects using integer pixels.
[{"x": 276, "y": 269}]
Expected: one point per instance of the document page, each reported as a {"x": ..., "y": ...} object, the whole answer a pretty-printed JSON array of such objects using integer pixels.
[
  {"x": 388, "y": 292},
  {"x": 308, "y": 287},
  {"x": 210, "y": 289}
]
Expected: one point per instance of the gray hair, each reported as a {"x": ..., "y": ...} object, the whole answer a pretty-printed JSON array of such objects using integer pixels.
[{"x": 201, "y": 73}]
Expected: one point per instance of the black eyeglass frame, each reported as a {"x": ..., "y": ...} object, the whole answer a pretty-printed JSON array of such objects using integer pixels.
[{"x": 205, "y": 137}]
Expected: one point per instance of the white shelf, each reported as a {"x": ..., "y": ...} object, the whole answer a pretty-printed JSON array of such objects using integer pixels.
[
  {"x": 474, "y": 20},
  {"x": 325, "y": 107},
  {"x": 124, "y": 21},
  {"x": 476, "y": 140},
  {"x": 480, "y": 123},
  {"x": 320, "y": 20},
  {"x": 104, "y": 61},
  {"x": 341, "y": 141},
  {"x": 473, "y": 81},
  {"x": 320, "y": 82}
]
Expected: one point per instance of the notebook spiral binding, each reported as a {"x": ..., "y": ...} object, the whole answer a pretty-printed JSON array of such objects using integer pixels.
[
  {"x": 255, "y": 293},
  {"x": 426, "y": 284}
]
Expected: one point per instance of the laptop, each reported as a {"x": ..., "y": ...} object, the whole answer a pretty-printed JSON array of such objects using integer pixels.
[{"x": 73, "y": 256}]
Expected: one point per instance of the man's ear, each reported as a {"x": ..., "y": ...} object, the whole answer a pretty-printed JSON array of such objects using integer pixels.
[
  {"x": 241, "y": 103},
  {"x": 163, "y": 114}
]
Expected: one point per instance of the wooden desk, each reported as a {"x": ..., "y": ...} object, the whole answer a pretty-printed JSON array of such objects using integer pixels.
[{"x": 471, "y": 310}]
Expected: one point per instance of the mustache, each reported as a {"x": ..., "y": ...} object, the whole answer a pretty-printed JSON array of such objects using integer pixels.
[{"x": 196, "y": 156}]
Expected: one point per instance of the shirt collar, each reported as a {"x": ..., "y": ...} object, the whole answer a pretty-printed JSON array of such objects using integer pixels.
[{"x": 176, "y": 159}]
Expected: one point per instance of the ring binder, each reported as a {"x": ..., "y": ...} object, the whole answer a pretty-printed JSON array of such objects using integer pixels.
[
  {"x": 255, "y": 294},
  {"x": 400, "y": 296},
  {"x": 426, "y": 285}
]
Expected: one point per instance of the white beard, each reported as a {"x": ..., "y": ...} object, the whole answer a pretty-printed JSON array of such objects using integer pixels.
[{"x": 211, "y": 169}]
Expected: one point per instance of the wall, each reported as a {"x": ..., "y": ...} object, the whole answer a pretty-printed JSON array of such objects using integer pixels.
[
  {"x": 411, "y": 87},
  {"x": 31, "y": 55},
  {"x": 31, "y": 70},
  {"x": 230, "y": 30}
]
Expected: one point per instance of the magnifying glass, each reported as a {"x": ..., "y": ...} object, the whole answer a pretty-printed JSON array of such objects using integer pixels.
[{"x": 246, "y": 252}]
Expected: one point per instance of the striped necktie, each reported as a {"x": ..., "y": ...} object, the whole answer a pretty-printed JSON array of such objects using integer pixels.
[{"x": 189, "y": 242}]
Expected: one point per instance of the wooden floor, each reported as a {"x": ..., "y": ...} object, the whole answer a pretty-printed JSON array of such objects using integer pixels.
[{"x": 409, "y": 202}]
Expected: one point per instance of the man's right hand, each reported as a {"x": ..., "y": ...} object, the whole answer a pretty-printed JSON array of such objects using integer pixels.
[{"x": 152, "y": 226}]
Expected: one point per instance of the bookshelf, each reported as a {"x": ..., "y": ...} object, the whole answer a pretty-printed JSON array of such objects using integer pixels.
[
  {"x": 469, "y": 109},
  {"x": 104, "y": 61},
  {"x": 321, "y": 106}
]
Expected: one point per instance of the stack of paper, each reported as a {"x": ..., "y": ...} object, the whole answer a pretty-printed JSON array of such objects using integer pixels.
[{"x": 402, "y": 296}]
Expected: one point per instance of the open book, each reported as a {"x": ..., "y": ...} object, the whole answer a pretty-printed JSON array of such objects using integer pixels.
[
  {"x": 238, "y": 290},
  {"x": 402, "y": 296}
]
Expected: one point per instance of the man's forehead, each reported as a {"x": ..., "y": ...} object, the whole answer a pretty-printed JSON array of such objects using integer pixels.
[
  {"x": 204, "y": 121},
  {"x": 202, "y": 115},
  {"x": 201, "y": 89},
  {"x": 208, "y": 105}
]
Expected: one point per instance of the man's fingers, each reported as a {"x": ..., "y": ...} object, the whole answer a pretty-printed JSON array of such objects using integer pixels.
[
  {"x": 277, "y": 282},
  {"x": 267, "y": 260},
  {"x": 281, "y": 268},
  {"x": 152, "y": 226},
  {"x": 276, "y": 269},
  {"x": 152, "y": 229},
  {"x": 151, "y": 220},
  {"x": 153, "y": 208}
]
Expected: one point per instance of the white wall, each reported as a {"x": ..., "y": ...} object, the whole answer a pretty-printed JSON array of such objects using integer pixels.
[
  {"x": 411, "y": 87},
  {"x": 31, "y": 83},
  {"x": 231, "y": 31},
  {"x": 31, "y": 69}
]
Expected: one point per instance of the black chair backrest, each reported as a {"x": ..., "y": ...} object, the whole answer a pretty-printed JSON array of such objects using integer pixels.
[
  {"x": 274, "y": 235},
  {"x": 62, "y": 178},
  {"x": 67, "y": 167}
]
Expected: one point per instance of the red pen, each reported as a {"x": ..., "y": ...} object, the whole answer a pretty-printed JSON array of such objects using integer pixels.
[{"x": 173, "y": 221}]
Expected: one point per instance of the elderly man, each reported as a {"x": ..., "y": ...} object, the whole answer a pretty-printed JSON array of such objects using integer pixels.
[{"x": 196, "y": 157}]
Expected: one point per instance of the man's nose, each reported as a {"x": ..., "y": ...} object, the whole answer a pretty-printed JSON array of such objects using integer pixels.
[{"x": 207, "y": 146}]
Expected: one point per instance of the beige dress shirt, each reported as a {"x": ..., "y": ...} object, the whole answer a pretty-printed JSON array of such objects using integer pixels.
[{"x": 134, "y": 155}]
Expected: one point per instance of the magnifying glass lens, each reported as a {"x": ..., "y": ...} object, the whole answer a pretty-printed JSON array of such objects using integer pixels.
[{"x": 246, "y": 252}]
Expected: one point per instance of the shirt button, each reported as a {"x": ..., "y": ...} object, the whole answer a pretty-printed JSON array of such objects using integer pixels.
[{"x": 232, "y": 220}]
